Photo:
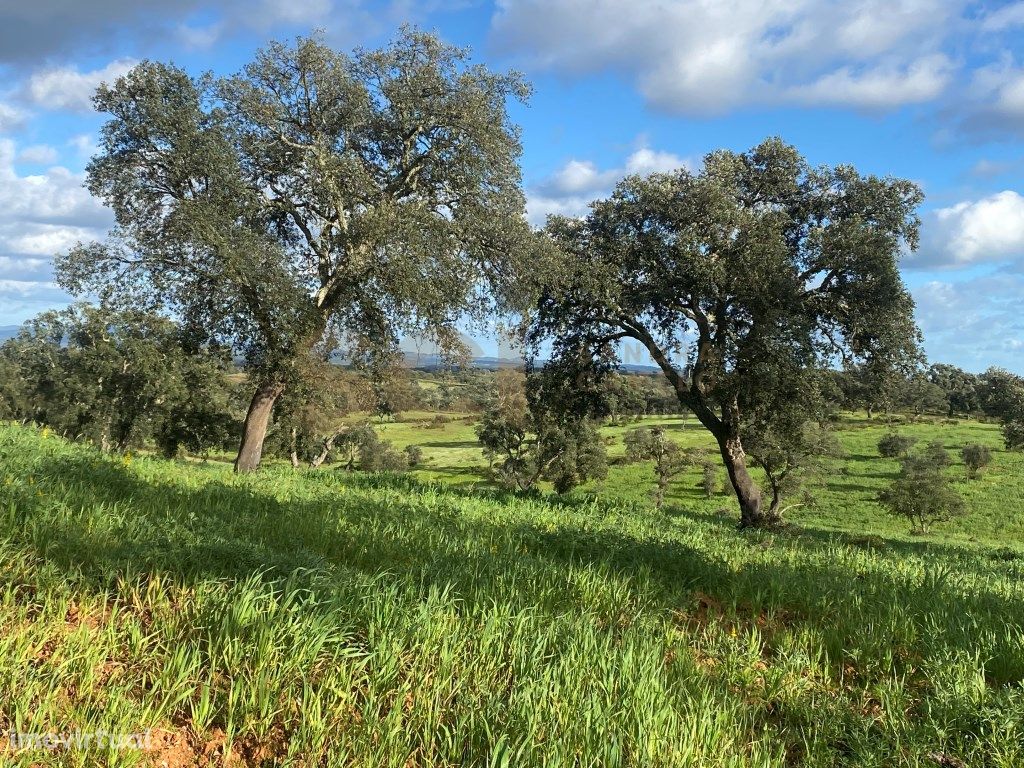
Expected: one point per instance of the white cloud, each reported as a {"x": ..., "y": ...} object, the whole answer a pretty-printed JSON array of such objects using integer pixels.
[
  {"x": 38, "y": 154},
  {"x": 85, "y": 145},
  {"x": 694, "y": 56},
  {"x": 570, "y": 189},
  {"x": 1004, "y": 18},
  {"x": 880, "y": 87},
  {"x": 200, "y": 37},
  {"x": 273, "y": 12},
  {"x": 989, "y": 230},
  {"x": 67, "y": 88},
  {"x": 11, "y": 118},
  {"x": 40, "y": 216}
]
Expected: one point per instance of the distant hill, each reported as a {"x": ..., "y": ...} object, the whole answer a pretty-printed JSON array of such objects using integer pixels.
[{"x": 8, "y": 332}]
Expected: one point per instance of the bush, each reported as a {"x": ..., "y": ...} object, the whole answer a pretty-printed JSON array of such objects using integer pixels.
[
  {"x": 413, "y": 455},
  {"x": 937, "y": 455},
  {"x": 709, "y": 479},
  {"x": 976, "y": 457},
  {"x": 894, "y": 446},
  {"x": 1013, "y": 434},
  {"x": 921, "y": 493}
]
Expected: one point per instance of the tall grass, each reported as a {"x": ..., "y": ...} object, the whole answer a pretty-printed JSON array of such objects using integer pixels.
[{"x": 324, "y": 618}]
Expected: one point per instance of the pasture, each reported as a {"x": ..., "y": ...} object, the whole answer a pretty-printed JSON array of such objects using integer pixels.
[{"x": 344, "y": 619}]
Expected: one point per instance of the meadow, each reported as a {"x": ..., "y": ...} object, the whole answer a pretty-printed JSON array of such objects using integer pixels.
[{"x": 329, "y": 618}]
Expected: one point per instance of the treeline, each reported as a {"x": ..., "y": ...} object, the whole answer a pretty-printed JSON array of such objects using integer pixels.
[
  {"x": 939, "y": 389},
  {"x": 119, "y": 380},
  {"x": 123, "y": 380}
]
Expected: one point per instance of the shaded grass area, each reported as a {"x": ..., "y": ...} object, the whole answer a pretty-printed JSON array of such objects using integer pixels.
[{"x": 324, "y": 618}]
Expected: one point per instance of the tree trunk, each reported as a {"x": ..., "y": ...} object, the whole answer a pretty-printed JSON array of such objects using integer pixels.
[
  {"x": 294, "y": 455},
  {"x": 321, "y": 457},
  {"x": 752, "y": 513},
  {"x": 254, "y": 430}
]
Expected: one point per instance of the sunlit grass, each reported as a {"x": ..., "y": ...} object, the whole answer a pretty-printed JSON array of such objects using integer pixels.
[{"x": 327, "y": 618}]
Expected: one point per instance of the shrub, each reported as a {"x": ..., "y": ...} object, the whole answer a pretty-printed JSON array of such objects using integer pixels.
[
  {"x": 894, "y": 445},
  {"x": 709, "y": 479},
  {"x": 413, "y": 455},
  {"x": 937, "y": 455},
  {"x": 921, "y": 493},
  {"x": 1013, "y": 434},
  {"x": 976, "y": 457}
]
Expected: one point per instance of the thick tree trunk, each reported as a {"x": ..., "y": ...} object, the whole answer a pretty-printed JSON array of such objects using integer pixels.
[
  {"x": 752, "y": 512},
  {"x": 254, "y": 430}
]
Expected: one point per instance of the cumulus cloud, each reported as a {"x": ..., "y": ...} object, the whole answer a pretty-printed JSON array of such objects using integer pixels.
[
  {"x": 985, "y": 231},
  {"x": 1001, "y": 19},
  {"x": 40, "y": 215},
  {"x": 68, "y": 88},
  {"x": 692, "y": 56},
  {"x": 11, "y": 118},
  {"x": 570, "y": 189},
  {"x": 880, "y": 87},
  {"x": 38, "y": 154}
]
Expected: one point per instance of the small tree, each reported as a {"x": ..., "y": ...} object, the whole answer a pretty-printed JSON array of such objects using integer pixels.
[
  {"x": 790, "y": 451},
  {"x": 652, "y": 444},
  {"x": 894, "y": 446},
  {"x": 531, "y": 431},
  {"x": 921, "y": 493},
  {"x": 937, "y": 455},
  {"x": 413, "y": 455},
  {"x": 1013, "y": 434},
  {"x": 975, "y": 457}
]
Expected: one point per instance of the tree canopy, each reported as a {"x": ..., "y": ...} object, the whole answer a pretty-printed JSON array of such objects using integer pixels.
[
  {"x": 313, "y": 199},
  {"x": 739, "y": 280}
]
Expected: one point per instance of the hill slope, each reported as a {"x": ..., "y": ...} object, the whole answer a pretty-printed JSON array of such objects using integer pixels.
[{"x": 337, "y": 619}]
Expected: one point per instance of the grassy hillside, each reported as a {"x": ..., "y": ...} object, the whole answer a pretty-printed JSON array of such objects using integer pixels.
[
  {"x": 334, "y": 619},
  {"x": 845, "y": 495}
]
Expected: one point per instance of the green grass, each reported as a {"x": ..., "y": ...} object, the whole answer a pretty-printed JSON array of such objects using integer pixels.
[{"x": 326, "y": 618}]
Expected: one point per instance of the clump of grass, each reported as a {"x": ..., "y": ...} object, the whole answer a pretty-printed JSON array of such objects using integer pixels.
[{"x": 327, "y": 618}]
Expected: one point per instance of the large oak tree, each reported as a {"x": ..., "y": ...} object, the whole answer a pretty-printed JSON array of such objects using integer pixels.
[
  {"x": 314, "y": 197},
  {"x": 739, "y": 281}
]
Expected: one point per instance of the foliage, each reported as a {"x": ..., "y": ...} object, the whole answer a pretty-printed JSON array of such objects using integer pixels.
[
  {"x": 652, "y": 444},
  {"x": 894, "y": 445},
  {"x": 921, "y": 492},
  {"x": 775, "y": 269},
  {"x": 1013, "y": 434},
  {"x": 118, "y": 379},
  {"x": 962, "y": 389},
  {"x": 791, "y": 452},
  {"x": 534, "y": 435},
  {"x": 975, "y": 457},
  {"x": 314, "y": 198},
  {"x": 413, "y": 455},
  {"x": 709, "y": 479}
]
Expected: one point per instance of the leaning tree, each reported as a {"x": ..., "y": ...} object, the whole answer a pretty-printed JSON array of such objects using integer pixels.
[
  {"x": 739, "y": 281},
  {"x": 311, "y": 200}
]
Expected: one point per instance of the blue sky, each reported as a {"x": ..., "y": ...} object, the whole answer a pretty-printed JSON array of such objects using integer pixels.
[{"x": 931, "y": 90}]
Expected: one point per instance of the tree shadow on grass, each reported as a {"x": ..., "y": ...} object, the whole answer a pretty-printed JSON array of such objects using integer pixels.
[{"x": 396, "y": 528}]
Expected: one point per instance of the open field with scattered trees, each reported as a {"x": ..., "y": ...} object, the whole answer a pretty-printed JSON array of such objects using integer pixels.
[{"x": 233, "y": 521}]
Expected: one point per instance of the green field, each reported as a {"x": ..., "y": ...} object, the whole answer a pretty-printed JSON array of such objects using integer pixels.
[{"x": 340, "y": 619}]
